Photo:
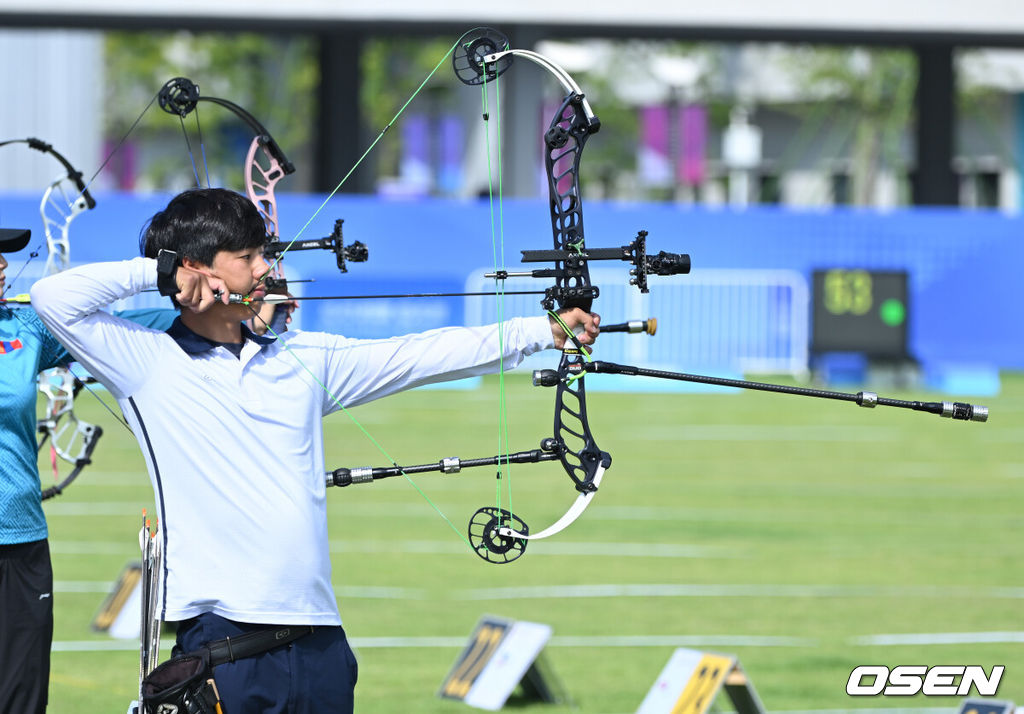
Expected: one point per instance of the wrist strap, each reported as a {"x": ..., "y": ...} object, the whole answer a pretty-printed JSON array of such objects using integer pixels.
[{"x": 166, "y": 273}]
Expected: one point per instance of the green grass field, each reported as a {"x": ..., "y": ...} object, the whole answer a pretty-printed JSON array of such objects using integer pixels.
[{"x": 793, "y": 533}]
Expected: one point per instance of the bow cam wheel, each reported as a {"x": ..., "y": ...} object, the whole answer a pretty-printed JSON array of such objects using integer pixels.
[
  {"x": 491, "y": 545},
  {"x": 468, "y": 59},
  {"x": 179, "y": 96}
]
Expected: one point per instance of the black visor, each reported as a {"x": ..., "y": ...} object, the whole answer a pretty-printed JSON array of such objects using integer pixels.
[{"x": 13, "y": 239}]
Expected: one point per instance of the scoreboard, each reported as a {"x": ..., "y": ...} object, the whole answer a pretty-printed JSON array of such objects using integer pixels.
[{"x": 862, "y": 311}]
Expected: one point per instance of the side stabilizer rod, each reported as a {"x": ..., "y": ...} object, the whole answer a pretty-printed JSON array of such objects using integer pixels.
[
  {"x": 633, "y": 327},
  {"x": 450, "y": 465},
  {"x": 954, "y": 410}
]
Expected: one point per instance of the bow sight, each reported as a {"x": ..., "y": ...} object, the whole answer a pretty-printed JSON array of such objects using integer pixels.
[
  {"x": 357, "y": 252},
  {"x": 570, "y": 265}
]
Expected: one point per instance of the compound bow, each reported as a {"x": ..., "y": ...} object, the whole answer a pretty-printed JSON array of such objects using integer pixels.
[
  {"x": 496, "y": 534},
  {"x": 71, "y": 439},
  {"x": 59, "y": 206},
  {"x": 479, "y": 58},
  {"x": 265, "y": 165}
]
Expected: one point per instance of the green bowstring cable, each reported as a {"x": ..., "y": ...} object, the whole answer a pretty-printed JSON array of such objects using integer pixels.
[
  {"x": 366, "y": 433},
  {"x": 298, "y": 359},
  {"x": 364, "y": 155},
  {"x": 498, "y": 256}
]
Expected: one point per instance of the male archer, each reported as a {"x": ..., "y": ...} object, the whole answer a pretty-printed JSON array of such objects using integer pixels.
[{"x": 229, "y": 423}]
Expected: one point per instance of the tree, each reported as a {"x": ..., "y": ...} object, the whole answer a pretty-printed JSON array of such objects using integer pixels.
[{"x": 273, "y": 77}]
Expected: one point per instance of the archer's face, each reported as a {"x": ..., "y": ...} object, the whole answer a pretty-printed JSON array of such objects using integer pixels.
[
  {"x": 3, "y": 267},
  {"x": 240, "y": 269}
]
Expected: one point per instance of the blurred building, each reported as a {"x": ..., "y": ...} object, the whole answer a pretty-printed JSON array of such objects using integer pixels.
[{"x": 793, "y": 143}]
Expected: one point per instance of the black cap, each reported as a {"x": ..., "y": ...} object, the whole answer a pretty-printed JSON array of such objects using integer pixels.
[{"x": 13, "y": 239}]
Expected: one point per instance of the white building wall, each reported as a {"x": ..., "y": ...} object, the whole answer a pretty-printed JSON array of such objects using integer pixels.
[
  {"x": 806, "y": 188},
  {"x": 52, "y": 89}
]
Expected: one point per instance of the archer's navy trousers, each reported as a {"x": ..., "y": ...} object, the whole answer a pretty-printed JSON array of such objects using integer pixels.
[{"x": 314, "y": 674}]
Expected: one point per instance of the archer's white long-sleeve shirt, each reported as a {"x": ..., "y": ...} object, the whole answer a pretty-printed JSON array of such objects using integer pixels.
[{"x": 234, "y": 446}]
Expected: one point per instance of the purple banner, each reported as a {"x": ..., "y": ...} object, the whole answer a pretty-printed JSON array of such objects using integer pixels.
[{"x": 691, "y": 165}]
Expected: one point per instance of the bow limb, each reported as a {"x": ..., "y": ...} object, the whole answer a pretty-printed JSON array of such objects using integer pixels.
[
  {"x": 575, "y": 511},
  {"x": 65, "y": 198},
  {"x": 89, "y": 435},
  {"x": 265, "y": 165},
  {"x": 71, "y": 439}
]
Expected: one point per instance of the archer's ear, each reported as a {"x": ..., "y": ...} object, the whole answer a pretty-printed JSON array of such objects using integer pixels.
[{"x": 192, "y": 264}]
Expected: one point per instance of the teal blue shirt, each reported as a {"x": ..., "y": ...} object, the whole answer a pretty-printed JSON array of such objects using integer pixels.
[{"x": 27, "y": 348}]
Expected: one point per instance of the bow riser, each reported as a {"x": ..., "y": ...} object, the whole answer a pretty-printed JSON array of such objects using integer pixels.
[
  {"x": 578, "y": 452},
  {"x": 57, "y": 209},
  {"x": 565, "y": 140},
  {"x": 261, "y": 178},
  {"x": 71, "y": 439}
]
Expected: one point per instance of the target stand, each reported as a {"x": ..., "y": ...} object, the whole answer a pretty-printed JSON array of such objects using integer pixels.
[
  {"x": 500, "y": 656},
  {"x": 692, "y": 680}
]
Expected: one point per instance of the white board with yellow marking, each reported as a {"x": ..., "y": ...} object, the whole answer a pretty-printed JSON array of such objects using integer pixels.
[{"x": 690, "y": 682}]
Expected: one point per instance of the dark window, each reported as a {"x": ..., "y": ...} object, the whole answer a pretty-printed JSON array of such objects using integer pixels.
[{"x": 841, "y": 189}]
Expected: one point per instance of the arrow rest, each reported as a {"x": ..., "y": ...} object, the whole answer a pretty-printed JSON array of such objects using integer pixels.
[{"x": 485, "y": 535}]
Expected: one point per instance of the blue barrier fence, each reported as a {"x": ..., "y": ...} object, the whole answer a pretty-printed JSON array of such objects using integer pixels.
[{"x": 964, "y": 266}]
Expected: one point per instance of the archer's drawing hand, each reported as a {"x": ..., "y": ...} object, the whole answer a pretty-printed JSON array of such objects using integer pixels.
[
  {"x": 269, "y": 316},
  {"x": 197, "y": 290},
  {"x": 585, "y": 325}
]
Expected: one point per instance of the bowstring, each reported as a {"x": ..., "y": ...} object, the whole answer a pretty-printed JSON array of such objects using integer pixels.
[
  {"x": 360, "y": 160},
  {"x": 504, "y": 473},
  {"x": 117, "y": 148},
  {"x": 202, "y": 148},
  {"x": 359, "y": 425}
]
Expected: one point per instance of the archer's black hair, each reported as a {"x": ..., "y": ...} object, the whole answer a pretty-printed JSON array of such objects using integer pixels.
[{"x": 201, "y": 222}]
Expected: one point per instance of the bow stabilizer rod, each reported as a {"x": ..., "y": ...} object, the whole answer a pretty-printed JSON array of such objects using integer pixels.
[
  {"x": 960, "y": 411},
  {"x": 450, "y": 465},
  {"x": 634, "y": 327},
  {"x": 495, "y": 534}
]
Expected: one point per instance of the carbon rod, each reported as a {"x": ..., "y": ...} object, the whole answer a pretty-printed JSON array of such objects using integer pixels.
[
  {"x": 451, "y": 465},
  {"x": 954, "y": 410},
  {"x": 649, "y": 326}
]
